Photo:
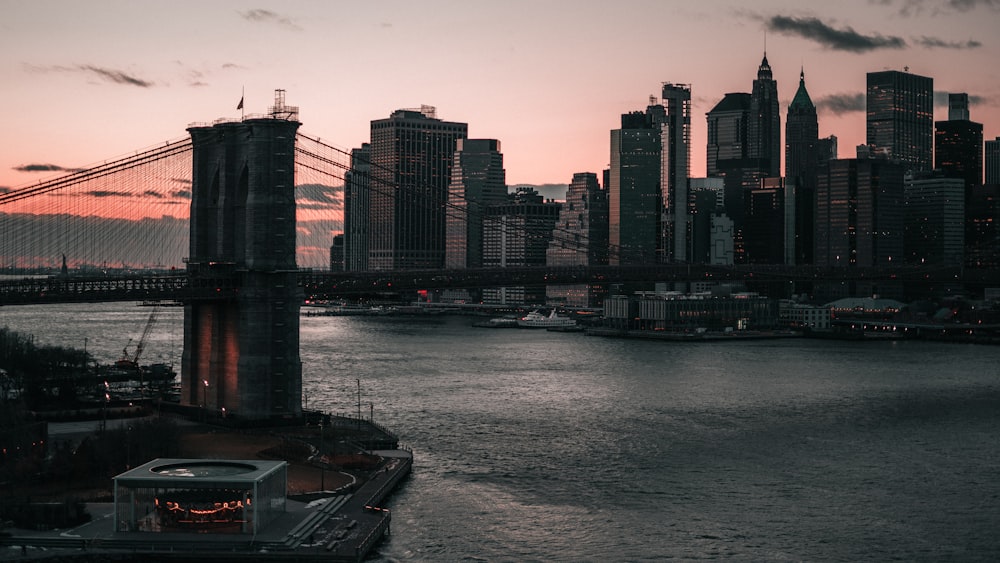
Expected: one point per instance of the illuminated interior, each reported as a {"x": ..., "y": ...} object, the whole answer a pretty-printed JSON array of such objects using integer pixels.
[{"x": 200, "y": 496}]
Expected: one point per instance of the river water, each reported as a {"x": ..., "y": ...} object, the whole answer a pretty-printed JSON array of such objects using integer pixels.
[{"x": 539, "y": 446}]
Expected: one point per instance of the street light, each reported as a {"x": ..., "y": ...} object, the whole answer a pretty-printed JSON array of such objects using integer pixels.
[{"x": 204, "y": 399}]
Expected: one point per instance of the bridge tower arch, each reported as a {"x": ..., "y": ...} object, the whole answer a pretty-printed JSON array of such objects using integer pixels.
[{"x": 241, "y": 348}]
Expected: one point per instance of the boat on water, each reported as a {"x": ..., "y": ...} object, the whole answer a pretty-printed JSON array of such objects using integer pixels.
[
  {"x": 498, "y": 322},
  {"x": 535, "y": 319}
]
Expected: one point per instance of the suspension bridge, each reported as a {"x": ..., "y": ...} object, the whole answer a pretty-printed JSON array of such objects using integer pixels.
[{"x": 120, "y": 231}]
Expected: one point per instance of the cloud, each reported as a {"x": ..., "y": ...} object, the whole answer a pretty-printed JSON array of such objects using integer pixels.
[
  {"x": 845, "y": 39},
  {"x": 116, "y": 76},
  {"x": 5, "y": 189},
  {"x": 111, "y": 75},
  {"x": 44, "y": 168},
  {"x": 935, "y": 43},
  {"x": 317, "y": 196},
  {"x": 267, "y": 16},
  {"x": 839, "y": 104},
  {"x": 912, "y": 8},
  {"x": 181, "y": 194},
  {"x": 107, "y": 193}
]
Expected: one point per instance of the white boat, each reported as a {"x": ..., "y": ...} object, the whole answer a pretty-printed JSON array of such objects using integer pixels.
[{"x": 535, "y": 319}]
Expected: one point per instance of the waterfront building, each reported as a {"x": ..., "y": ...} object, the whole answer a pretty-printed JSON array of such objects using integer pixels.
[
  {"x": 802, "y": 159},
  {"x": 478, "y": 180},
  {"x": 412, "y": 153},
  {"x": 580, "y": 237},
  {"x": 635, "y": 192},
  {"x": 900, "y": 117},
  {"x": 201, "y": 496},
  {"x": 803, "y": 316},
  {"x": 518, "y": 233},
  {"x": 934, "y": 219},
  {"x": 958, "y": 143},
  {"x": 357, "y": 201},
  {"x": 764, "y": 133},
  {"x": 676, "y": 169},
  {"x": 991, "y": 162},
  {"x": 717, "y": 310}
]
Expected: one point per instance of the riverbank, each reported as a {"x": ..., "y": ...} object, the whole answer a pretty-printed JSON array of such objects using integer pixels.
[{"x": 330, "y": 514}]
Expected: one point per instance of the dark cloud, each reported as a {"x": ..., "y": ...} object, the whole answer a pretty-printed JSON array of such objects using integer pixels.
[
  {"x": 845, "y": 39},
  {"x": 838, "y": 104},
  {"x": 935, "y": 43},
  {"x": 151, "y": 193},
  {"x": 107, "y": 193},
  {"x": 267, "y": 16},
  {"x": 941, "y": 99},
  {"x": 5, "y": 189},
  {"x": 111, "y": 75},
  {"x": 116, "y": 76},
  {"x": 44, "y": 168},
  {"x": 910, "y": 8},
  {"x": 181, "y": 194}
]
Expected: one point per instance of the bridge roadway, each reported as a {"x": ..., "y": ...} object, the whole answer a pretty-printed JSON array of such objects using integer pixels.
[{"x": 224, "y": 281}]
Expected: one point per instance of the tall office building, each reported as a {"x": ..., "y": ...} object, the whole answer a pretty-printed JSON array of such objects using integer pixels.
[
  {"x": 478, "y": 180},
  {"x": 635, "y": 192},
  {"x": 676, "y": 170},
  {"x": 900, "y": 117},
  {"x": 859, "y": 212},
  {"x": 728, "y": 152},
  {"x": 518, "y": 233},
  {"x": 728, "y": 122},
  {"x": 412, "y": 153},
  {"x": 801, "y": 166},
  {"x": 934, "y": 219},
  {"x": 764, "y": 133},
  {"x": 992, "y": 162},
  {"x": 958, "y": 143},
  {"x": 765, "y": 225},
  {"x": 356, "y": 206},
  {"x": 580, "y": 237}
]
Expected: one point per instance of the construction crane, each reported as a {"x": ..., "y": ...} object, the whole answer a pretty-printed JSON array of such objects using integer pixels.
[{"x": 134, "y": 360}]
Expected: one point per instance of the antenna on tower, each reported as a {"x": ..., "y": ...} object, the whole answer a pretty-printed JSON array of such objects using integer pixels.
[{"x": 652, "y": 99}]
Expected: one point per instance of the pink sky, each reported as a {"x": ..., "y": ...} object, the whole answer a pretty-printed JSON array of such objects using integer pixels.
[{"x": 86, "y": 82}]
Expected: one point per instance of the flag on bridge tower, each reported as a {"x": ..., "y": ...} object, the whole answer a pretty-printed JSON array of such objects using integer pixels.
[{"x": 240, "y": 105}]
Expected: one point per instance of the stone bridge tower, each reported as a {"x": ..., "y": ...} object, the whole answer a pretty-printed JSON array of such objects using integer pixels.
[{"x": 241, "y": 348}]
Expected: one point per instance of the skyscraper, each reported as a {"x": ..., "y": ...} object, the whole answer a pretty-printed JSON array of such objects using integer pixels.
[
  {"x": 801, "y": 166},
  {"x": 900, "y": 116},
  {"x": 958, "y": 143},
  {"x": 934, "y": 219},
  {"x": 412, "y": 153},
  {"x": 635, "y": 193},
  {"x": 356, "y": 207},
  {"x": 477, "y": 180},
  {"x": 676, "y": 146},
  {"x": 580, "y": 238},
  {"x": 764, "y": 134},
  {"x": 859, "y": 212},
  {"x": 517, "y": 233},
  {"x": 992, "y": 161}
]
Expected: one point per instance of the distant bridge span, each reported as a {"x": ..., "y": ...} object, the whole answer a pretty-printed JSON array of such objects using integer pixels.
[{"x": 223, "y": 281}]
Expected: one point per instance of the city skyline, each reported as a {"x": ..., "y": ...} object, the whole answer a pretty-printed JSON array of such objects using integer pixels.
[{"x": 550, "y": 85}]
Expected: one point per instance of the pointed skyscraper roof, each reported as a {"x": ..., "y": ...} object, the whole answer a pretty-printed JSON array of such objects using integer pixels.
[
  {"x": 764, "y": 70},
  {"x": 801, "y": 99}
]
